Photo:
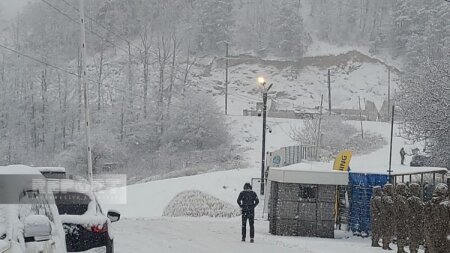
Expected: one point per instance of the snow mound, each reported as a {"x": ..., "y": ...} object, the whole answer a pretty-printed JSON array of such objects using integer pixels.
[{"x": 199, "y": 204}]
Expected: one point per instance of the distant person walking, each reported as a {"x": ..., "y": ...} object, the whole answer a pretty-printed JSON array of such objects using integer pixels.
[
  {"x": 402, "y": 155},
  {"x": 248, "y": 200}
]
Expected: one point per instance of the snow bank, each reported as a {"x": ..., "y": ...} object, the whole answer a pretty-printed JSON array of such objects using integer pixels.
[
  {"x": 95, "y": 250},
  {"x": 199, "y": 204},
  {"x": 150, "y": 199}
]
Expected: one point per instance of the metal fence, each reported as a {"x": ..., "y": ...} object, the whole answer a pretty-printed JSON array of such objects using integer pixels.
[{"x": 291, "y": 155}]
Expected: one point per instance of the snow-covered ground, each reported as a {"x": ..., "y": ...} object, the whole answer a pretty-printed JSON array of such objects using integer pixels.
[
  {"x": 143, "y": 227},
  {"x": 205, "y": 235},
  {"x": 149, "y": 199}
]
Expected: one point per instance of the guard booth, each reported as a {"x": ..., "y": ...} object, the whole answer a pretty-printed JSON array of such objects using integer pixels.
[
  {"x": 302, "y": 202},
  {"x": 361, "y": 185}
]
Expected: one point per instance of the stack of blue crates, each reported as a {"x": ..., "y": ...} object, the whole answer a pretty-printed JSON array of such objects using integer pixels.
[{"x": 360, "y": 189}]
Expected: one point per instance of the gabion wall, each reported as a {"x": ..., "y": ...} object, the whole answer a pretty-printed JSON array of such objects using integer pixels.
[{"x": 302, "y": 210}]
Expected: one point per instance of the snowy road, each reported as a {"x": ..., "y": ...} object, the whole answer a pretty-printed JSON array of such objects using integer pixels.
[{"x": 205, "y": 235}]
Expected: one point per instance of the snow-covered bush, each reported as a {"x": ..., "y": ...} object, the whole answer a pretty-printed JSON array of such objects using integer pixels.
[
  {"x": 199, "y": 204},
  {"x": 334, "y": 132},
  {"x": 335, "y": 136}
]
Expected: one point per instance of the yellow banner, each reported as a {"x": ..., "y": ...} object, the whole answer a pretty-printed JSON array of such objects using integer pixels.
[{"x": 342, "y": 160}]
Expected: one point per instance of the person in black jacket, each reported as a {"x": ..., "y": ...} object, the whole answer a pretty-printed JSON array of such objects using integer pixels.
[
  {"x": 402, "y": 155},
  {"x": 248, "y": 200}
]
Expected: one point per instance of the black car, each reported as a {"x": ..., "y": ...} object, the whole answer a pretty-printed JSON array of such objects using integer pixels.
[
  {"x": 85, "y": 225},
  {"x": 420, "y": 161}
]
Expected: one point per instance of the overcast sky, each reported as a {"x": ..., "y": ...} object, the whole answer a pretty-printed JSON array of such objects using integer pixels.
[{"x": 10, "y": 7}]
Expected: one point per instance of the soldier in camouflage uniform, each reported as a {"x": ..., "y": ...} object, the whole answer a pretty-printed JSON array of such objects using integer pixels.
[
  {"x": 375, "y": 209},
  {"x": 387, "y": 215},
  {"x": 415, "y": 218},
  {"x": 402, "y": 216},
  {"x": 436, "y": 221}
]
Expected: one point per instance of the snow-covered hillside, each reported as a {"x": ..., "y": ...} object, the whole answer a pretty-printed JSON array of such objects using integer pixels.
[{"x": 299, "y": 84}]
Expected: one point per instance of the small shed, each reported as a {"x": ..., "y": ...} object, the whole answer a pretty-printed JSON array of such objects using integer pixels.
[{"x": 302, "y": 202}]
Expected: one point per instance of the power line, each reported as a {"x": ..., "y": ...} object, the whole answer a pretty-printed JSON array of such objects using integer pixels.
[
  {"x": 37, "y": 60},
  {"x": 60, "y": 69},
  {"x": 103, "y": 26},
  {"x": 179, "y": 69},
  {"x": 77, "y": 22},
  {"x": 88, "y": 79},
  {"x": 74, "y": 74}
]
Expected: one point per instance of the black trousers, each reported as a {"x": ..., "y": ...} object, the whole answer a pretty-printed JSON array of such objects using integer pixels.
[{"x": 250, "y": 216}]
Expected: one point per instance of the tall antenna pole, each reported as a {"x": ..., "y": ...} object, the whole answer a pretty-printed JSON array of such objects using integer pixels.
[
  {"x": 389, "y": 93},
  {"x": 329, "y": 92},
  {"x": 318, "y": 128},
  {"x": 226, "y": 79},
  {"x": 390, "y": 149},
  {"x": 85, "y": 90},
  {"x": 360, "y": 117}
]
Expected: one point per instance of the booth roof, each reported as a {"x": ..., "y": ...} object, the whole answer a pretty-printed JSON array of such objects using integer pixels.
[{"x": 396, "y": 170}]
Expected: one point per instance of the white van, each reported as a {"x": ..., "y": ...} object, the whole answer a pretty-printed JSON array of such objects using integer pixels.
[{"x": 29, "y": 221}]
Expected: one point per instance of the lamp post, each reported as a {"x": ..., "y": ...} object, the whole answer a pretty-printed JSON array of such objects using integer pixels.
[
  {"x": 265, "y": 89},
  {"x": 390, "y": 146}
]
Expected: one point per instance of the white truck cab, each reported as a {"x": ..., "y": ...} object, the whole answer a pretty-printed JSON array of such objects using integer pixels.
[{"x": 29, "y": 220}]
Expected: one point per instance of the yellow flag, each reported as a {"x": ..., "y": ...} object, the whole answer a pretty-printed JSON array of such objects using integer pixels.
[{"x": 342, "y": 161}]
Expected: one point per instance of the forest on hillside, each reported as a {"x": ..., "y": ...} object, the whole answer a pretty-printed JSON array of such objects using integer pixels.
[{"x": 141, "y": 55}]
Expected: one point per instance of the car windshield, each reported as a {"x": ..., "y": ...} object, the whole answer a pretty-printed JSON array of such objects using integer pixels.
[{"x": 72, "y": 203}]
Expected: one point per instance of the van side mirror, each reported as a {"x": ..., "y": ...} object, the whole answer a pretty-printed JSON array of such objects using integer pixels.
[
  {"x": 113, "y": 216},
  {"x": 37, "y": 228}
]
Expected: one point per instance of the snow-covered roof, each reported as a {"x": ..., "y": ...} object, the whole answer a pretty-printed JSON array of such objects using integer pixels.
[
  {"x": 290, "y": 174},
  {"x": 405, "y": 170},
  {"x": 369, "y": 169},
  {"x": 52, "y": 169},
  {"x": 18, "y": 170}
]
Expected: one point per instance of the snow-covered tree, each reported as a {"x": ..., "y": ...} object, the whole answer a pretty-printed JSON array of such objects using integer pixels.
[
  {"x": 214, "y": 19},
  {"x": 195, "y": 124},
  {"x": 288, "y": 36},
  {"x": 424, "y": 107}
]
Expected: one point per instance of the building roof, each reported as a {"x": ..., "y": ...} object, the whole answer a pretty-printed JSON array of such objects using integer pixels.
[
  {"x": 290, "y": 174},
  {"x": 51, "y": 169},
  {"x": 322, "y": 173}
]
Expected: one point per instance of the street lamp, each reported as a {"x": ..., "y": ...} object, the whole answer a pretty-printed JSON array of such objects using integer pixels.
[
  {"x": 262, "y": 84},
  {"x": 390, "y": 146}
]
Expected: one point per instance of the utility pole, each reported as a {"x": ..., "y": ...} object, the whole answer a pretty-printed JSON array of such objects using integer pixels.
[
  {"x": 329, "y": 92},
  {"x": 389, "y": 93},
  {"x": 390, "y": 148},
  {"x": 226, "y": 78},
  {"x": 318, "y": 127},
  {"x": 85, "y": 86},
  {"x": 360, "y": 117},
  {"x": 263, "y": 158}
]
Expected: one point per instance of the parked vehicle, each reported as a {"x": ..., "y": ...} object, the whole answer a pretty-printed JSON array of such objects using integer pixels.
[
  {"x": 53, "y": 172},
  {"x": 29, "y": 221},
  {"x": 85, "y": 224},
  {"x": 420, "y": 160}
]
